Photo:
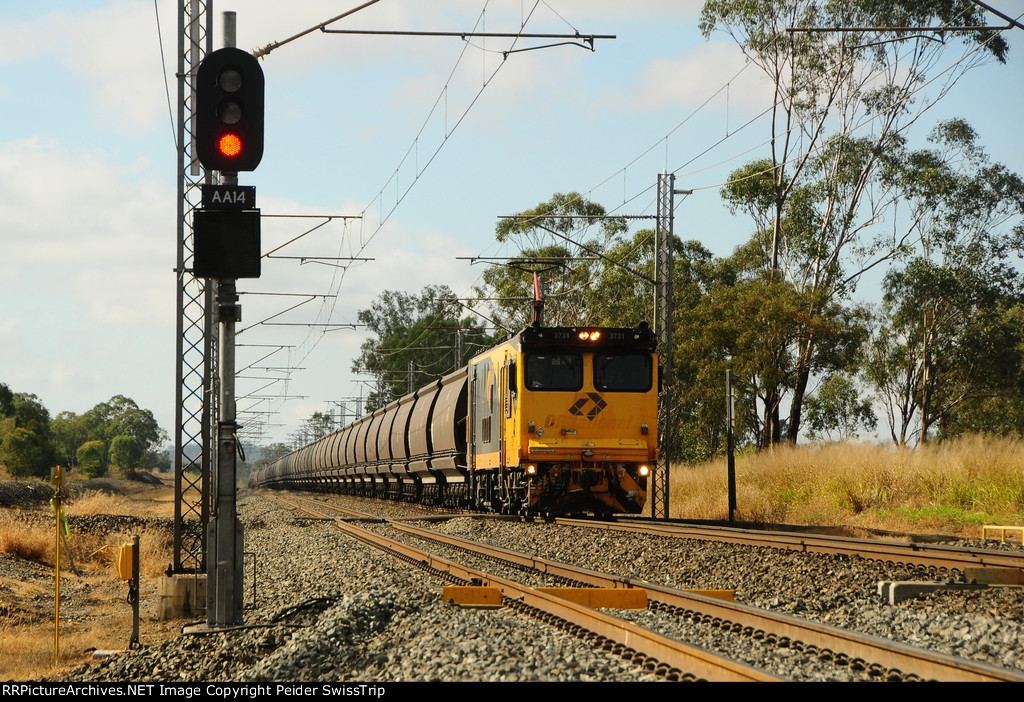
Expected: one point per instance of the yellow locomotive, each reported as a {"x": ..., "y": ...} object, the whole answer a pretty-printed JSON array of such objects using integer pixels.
[{"x": 554, "y": 420}]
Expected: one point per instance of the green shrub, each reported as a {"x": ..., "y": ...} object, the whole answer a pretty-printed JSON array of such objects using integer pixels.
[{"x": 92, "y": 459}]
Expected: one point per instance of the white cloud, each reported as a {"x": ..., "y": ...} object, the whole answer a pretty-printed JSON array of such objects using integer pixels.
[
  {"x": 714, "y": 70},
  {"x": 100, "y": 239},
  {"x": 114, "y": 50},
  {"x": 30, "y": 39},
  {"x": 63, "y": 373}
]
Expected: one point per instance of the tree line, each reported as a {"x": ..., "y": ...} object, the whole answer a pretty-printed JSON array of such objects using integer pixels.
[
  {"x": 117, "y": 433},
  {"x": 854, "y": 185}
]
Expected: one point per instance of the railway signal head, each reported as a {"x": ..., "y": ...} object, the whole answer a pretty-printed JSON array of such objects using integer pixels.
[{"x": 228, "y": 123}]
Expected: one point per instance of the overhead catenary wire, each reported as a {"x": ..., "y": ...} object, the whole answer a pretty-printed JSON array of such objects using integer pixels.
[
  {"x": 368, "y": 235},
  {"x": 866, "y": 121},
  {"x": 163, "y": 69},
  {"x": 731, "y": 134},
  {"x": 327, "y": 308},
  {"x": 411, "y": 152},
  {"x": 717, "y": 185}
]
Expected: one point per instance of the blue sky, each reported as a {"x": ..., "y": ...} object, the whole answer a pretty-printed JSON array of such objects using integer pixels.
[{"x": 428, "y": 140}]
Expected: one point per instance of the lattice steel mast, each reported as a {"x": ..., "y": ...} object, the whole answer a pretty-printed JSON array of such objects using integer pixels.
[
  {"x": 193, "y": 356},
  {"x": 663, "y": 314}
]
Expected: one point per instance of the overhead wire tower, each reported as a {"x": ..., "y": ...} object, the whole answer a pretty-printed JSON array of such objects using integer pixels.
[
  {"x": 664, "y": 315},
  {"x": 193, "y": 339}
]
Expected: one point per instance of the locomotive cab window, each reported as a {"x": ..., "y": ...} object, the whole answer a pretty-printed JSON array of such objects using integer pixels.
[
  {"x": 554, "y": 371},
  {"x": 622, "y": 372}
]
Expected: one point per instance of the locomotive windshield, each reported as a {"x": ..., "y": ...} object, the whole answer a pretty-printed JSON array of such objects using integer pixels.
[
  {"x": 622, "y": 373},
  {"x": 554, "y": 371}
]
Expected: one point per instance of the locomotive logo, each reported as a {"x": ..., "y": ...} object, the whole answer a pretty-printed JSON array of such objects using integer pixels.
[{"x": 589, "y": 406}]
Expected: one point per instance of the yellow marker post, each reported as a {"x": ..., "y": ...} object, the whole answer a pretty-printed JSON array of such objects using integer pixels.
[{"x": 57, "y": 480}]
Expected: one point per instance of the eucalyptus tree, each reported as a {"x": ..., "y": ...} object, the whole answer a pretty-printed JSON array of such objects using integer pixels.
[
  {"x": 269, "y": 454},
  {"x": 416, "y": 339},
  {"x": 131, "y": 433},
  {"x": 843, "y": 105},
  {"x": 70, "y": 431},
  {"x": 565, "y": 241},
  {"x": 838, "y": 409},
  {"x": 6, "y": 400},
  {"x": 91, "y": 458},
  {"x": 949, "y": 335},
  {"x": 26, "y": 441}
]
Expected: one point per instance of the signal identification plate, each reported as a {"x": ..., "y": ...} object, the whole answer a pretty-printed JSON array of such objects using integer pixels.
[{"x": 229, "y": 197}]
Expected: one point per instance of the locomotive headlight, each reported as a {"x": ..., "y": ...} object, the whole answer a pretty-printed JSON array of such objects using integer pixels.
[
  {"x": 531, "y": 469},
  {"x": 643, "y": 470}
]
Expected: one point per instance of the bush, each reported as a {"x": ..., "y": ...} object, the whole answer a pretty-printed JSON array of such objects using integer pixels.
[
  {"x": 24, "y": 453},
  {"x": 92, "y": 459}
]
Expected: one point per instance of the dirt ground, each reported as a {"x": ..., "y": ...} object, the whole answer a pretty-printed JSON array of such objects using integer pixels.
[{"x": 94, "y": 612}]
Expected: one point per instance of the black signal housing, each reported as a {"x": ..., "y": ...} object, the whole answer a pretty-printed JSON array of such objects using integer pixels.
[{"x": 229, "y": 111}]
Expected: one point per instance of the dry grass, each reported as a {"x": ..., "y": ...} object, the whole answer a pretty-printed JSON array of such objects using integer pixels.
[
  {"x": 132, "y": 500},
  {"x": 94, "y": 613},
  {"x": 953, "y": 487},
  {"x": 21, "y": 542}
]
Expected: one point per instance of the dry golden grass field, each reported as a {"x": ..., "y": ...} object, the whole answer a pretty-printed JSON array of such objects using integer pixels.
[
  {"x": 94, "y": 611},
  {"x": 949, "y": 488}
]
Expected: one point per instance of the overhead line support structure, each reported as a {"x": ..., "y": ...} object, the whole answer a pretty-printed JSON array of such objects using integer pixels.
[
  {"x": 1011, "y": 22},
  {"x": 193, "y": 338},
  {"x": 664, "y": 312},
  {"x": 573, "y": 39}
]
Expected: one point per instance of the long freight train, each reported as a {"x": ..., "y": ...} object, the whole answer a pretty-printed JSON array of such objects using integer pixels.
[{"x": 554, "y": 420}]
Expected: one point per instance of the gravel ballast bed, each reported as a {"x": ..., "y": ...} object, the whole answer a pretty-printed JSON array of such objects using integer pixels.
[
  {"x": 983, "y": 625},
  {"x": 329, "y": 609}
]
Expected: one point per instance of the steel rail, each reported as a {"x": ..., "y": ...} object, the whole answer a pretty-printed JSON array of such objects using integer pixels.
[
  {"x": 669, "y": 653},
  {"x": 891, "y": 660},
  {"x": 895, "y": 660},
  {"x": 367, "y": 517},
  {"x": 352, "y": 513},
  {"x": 906, "y": 552}
]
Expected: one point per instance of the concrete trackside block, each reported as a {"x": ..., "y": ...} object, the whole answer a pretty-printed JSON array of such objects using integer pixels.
[
  {"x": 181, "y": 596},
  {"x": 896, "y": 592}
]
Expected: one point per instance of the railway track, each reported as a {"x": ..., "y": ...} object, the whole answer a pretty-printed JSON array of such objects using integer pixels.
[
  {"x": 877, "y": 658},
  {"x": 931, "y": 556},
  {"x": 674, "y": 660}
]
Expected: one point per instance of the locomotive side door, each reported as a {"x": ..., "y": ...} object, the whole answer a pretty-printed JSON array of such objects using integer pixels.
[
  {"x": 485, "y": 414},
  {"x": 511, "y": 440}
]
